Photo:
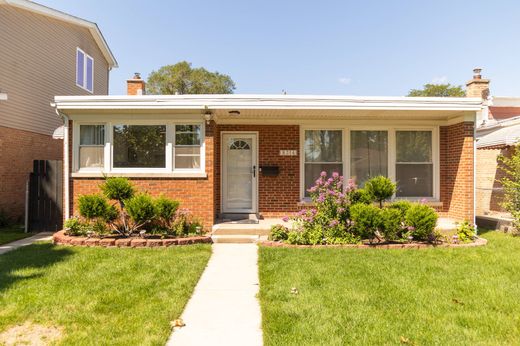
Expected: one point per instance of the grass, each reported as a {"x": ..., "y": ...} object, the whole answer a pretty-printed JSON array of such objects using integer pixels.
[
  {"x": 99, "y": 296},
  {"x": 465, "y": 296},
  {"x": 12, "y": 233}
]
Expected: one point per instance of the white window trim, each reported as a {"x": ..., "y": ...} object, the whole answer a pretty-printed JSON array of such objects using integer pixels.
[
  {"x": 108, "y": 168},
  {"x": 391, "y": 153},
  {"x": 202, "y": 148},
  {"x": 302, "y": 152},
  {"x": 85, "y": 56}
]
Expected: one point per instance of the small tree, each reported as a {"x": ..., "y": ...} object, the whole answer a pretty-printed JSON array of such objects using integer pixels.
[
  {"x": 511, "y": 184},
  {"x": 381, "y": 188}
]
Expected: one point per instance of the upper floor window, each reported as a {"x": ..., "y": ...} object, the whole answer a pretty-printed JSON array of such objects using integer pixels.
[{"x": 84, "y": 70}]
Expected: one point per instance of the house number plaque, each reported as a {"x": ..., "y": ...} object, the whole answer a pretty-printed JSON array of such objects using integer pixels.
[{"x": 288, "y": 152}]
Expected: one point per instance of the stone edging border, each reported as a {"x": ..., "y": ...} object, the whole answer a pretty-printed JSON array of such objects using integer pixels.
[
  {"x": 60, "y": 238},
  {"x": 478, "y": 242}
]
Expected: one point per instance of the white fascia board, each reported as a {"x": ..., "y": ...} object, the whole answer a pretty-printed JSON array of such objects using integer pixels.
[
  {"x": 266, "y": 102},
  {"x": 505, "y": 101},
  {"x": 3, "y": 97},
  {"x": 50, "y": 12}
]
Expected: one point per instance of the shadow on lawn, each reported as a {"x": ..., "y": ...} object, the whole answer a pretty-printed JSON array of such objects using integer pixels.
[{"x": 34, "y": 258}]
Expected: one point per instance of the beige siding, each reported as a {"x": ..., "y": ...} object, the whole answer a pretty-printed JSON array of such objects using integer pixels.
[{"x": 37, "y": 62}]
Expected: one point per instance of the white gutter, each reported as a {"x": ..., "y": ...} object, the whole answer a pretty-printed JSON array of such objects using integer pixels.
[
  {"x": 268, "y": 102},
  {"x": 66, "y": 183}
]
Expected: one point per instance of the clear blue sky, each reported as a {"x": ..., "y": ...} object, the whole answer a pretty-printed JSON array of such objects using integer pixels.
[{"x": 314, "y": 47}]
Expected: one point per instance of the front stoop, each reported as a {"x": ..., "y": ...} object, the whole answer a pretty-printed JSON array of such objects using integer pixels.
[
  {"x": 235, "y": 239},
  {"x": 231, "y": 232}
]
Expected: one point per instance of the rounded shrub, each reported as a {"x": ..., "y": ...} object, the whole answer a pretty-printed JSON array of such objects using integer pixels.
[
  {"x": 402, "y": 206},
  {"x": 391, "y": 222},
  {"x": 421, "y": 221},
  {"x": 74, "y": 226},
  {"x": 118, "y": 188},
  {"x": 278, "y": 233},
  {"x": 366, "y": 220},
  {"x": 93, "y": 206},
  {"x": 381, "y": 188},
  {"x": 360, "y": 196},
  {"x": 140, "y": 209},
  {"x": 166, "y": 208}
]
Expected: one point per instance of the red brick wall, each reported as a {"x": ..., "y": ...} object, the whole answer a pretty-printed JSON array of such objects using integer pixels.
[
  {"x": 277, "y": 195},
  {"x": 196, "y": 194},
  {"x": 456, "y": 170},
  {"x": 18, "y": 149}
]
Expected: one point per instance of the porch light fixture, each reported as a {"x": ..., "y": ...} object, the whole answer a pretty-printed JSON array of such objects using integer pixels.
[
  {"x": 234, "y": 113},
  {"x": 207, "y": 115}
]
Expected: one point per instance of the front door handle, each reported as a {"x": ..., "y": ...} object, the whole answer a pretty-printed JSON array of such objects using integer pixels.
[{"x": 254, "y": 171}]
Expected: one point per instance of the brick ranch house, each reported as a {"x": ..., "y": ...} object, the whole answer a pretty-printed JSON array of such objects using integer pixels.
[{"x": 257, "y": 154}]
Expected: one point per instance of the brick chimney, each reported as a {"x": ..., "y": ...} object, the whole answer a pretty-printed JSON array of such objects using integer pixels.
[
  {"x": 135, "y": 86},
  {"x": 477, "y": 87}
]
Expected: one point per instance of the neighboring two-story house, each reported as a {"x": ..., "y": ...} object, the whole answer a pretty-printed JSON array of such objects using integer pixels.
[{"x": 43, "y": 52}]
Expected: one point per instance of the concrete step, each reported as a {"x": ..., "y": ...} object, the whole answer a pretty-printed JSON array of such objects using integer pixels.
[
  {"x": 235, "y": 239},
  {"x": 240, "y": 231}
]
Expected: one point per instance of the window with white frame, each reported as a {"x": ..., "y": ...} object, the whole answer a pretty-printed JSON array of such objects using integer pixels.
[
  {"x": 368, "y": 155},
  {"x": 322, "y": 152},
  {"x": 187, "y": 146},
  {"x": 91, "y": 146},
  {"x": 414, "y": 163},
  {"x": 84, "y": 70},
  {"x": 139, "y": 146}
]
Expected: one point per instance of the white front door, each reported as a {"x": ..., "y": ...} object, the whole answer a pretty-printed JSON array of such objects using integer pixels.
[{"x": 239, "y": 173}]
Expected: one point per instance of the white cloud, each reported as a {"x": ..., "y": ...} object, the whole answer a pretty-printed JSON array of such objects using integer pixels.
[
  {"x": 440, "y": 80},
  {"x": 345, "y": 80}
]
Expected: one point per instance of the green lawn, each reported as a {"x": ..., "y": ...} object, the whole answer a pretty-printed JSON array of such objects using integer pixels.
[
  {"x": 12, "y": 233},
  {"x": 465, "y": 296},
  {"x": 99, "y": 296}
]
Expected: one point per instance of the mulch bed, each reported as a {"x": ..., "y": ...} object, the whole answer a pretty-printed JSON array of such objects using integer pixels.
[
  {"x": 478, "y": 242},
  {"x": 60, "y": 238}
]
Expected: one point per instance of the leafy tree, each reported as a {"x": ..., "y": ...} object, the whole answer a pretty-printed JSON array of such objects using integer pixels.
[
  {"x": 511, "y": 184},
  {"x": 439, "y": 90},
  {"x": 181, "y": 78}
]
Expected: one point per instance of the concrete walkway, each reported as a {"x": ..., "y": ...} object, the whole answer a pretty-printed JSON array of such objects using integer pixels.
[
  {"x": 24, "y": 242},
  {"x": 224, "y": 309}
]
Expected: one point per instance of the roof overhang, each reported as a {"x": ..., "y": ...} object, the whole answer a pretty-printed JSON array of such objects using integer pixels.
[
  {"x": 280, "y": 102},
  {"x": 501, "y": 136},
  {"x": 49, "y": 12},
  {"x": 275, "y": 108}
]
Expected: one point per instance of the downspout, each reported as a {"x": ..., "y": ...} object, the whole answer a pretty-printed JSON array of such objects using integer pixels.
[
  {"x": 66, "y": 184},
  {"x": 475, "y": 173}
]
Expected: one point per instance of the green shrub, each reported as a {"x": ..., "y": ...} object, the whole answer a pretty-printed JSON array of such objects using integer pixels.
[
  {"x": 392, "y": 221},
  {"x": 402, "y": 206},
  {"x": 361, "y": 196},
  {"x": 366, "y": 220},
  {"x": 465, "y": 231},
  {"x": 278, "y": 233},
  {"x": 140, "y": 209},
  {"x": 93, "y": 206},
  {"x": 297, "y": 237},
  {"x": 111, "y": 214},
  {"x": 511, "y": 184},
  {"x": 381, "y": 188},
  {"x": 75, "y": 227},
  {"x": 117, "y": 188},
  {"x": 165, "y": 209},
  {"x": 421, "y": 220}
]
